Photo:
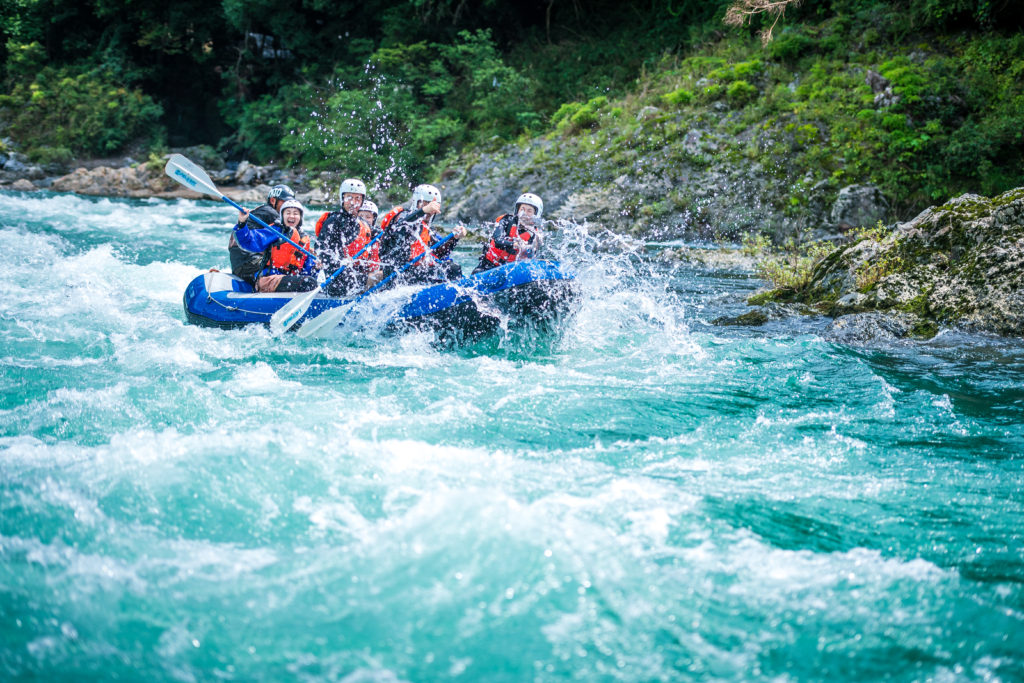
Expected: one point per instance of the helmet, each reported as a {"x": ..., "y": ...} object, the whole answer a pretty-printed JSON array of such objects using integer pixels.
[
  {"x": 265, "y": 214},
  {"x": 532, "y": 200},
  {"x": 293, "y": 204},
  {"x": 425, "y": 193},
  {"x": 371, "y": 207},
  {"x": 280, "y": 192},
  {"x": 352, "y": 185}
]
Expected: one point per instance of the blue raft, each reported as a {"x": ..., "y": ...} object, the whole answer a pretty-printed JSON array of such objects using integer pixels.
[{"x": 525, "y": 292}]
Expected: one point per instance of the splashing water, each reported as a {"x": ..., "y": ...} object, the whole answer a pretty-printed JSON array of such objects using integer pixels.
[{"x": 642, "y": 497}]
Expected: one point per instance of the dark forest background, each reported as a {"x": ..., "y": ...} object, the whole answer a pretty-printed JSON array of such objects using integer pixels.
[{"x": 395, "y": 88}]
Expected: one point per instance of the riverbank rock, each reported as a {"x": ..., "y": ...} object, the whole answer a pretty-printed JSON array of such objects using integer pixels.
[
  {"x": 960, "y": 264},
  {"x": 123, "y": 177},
  {"x": 859, "y": 206},
  {"x": 690, "y": 187},
  {"x": 715, "y": 259},
  {"x": 137, "y": 181},
  {"x": 858, "y": 329}
]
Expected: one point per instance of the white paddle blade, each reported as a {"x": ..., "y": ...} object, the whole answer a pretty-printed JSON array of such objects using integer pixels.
[
  {"x": 290, "y": 313},
  {"x": 323, "y": 323},
  {"x": 183, "y": 171}
]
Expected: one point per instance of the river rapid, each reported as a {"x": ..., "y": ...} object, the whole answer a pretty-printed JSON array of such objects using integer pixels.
[{"x": 642, "y": 497}]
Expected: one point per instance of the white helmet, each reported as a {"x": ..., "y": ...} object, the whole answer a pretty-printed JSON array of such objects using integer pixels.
[
  {"x": 293, "y": 204},
  {"x": 352, "y": 185},
  {"x": 371, "y": 207},
  {"x": 532, "y": 200},
  {"x": 425, "y": 193}
]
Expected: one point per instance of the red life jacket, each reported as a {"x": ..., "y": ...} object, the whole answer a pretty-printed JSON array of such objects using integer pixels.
[
  {"x": 286, "y": 257},
  {"x": 419, "y": 246},
  {"x": 390, "y": 216},
  {"x": 370, "y": 257},
  {"x": 499, "y": 256}
]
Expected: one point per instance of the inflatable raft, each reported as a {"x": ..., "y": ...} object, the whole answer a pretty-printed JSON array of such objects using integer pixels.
[{"x": 525, "y": 292}]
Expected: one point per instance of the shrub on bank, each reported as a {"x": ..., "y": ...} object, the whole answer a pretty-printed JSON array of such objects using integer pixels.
[{"x": 57, "y": 112}]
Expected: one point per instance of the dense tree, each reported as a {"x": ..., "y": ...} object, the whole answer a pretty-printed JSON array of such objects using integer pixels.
[{"x": 393, "y": 87}]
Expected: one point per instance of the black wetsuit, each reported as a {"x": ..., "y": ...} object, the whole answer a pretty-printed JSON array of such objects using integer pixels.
[
  {"x": 396, "y": 249},
  {"x": 335, "y": 232}
]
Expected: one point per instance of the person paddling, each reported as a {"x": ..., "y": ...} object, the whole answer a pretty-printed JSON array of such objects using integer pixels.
[
  {"x": 266, "y": 261},
  {"x": 340, "y": 235},
  {"x": 407, "y": 235},
  {"x": 288, "y": 269},
  {"x": 516, "y": 236}
]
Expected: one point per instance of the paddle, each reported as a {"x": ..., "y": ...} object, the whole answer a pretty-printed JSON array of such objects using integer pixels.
[
  {"x": 297, "y": 307},
  {"x": 183, "y": 171},
  {"x": 331, "y": 318}
]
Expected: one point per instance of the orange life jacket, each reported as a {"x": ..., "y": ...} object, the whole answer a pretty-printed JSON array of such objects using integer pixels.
[
  {"x": 370, "y": 257},
  {"x": 420, "y": 246},
  {"x": 499, "y": 256},
  {"x": 286, "y": 257}
]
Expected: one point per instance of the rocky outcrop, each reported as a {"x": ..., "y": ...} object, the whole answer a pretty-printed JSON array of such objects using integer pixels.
[
  {"x": 859, "y": 206},
  {"x": 960, "y": 264},
  {"x": 138, "y": 181},
  {"x": 693, "y": 182},
  {"x": 243, "y": 182}
]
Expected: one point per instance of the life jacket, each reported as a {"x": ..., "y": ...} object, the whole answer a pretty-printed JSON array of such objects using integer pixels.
[
  {"x": 498, "y": 256},
  {"x": 421, "y": 243},
  {"x": 285, "y": 257},
  {"x": 420, "y": 247},
  {"x": 370, "y": 257},
  {"x": 390, "y": 216}
]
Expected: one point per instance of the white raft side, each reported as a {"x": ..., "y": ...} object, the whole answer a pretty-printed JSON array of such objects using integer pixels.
[{"x": 218, "y": 282}]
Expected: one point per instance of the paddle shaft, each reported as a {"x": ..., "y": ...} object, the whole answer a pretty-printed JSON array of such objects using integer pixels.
[
  {"x": 276, "y": 232},
  {"x": 331, "y": 318},
  {"x": 181, "y": 170},
  {"x": 290, "y": 313},
  {"x": 401, "y": 270},
  {"x": 346, "y": 265}
]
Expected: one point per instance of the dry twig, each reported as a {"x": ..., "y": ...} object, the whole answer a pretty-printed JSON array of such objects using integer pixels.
[{"x": 741, "y": 12}]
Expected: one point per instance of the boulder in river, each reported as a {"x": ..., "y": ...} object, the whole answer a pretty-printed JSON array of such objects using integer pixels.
[{"x": 960, "y": 264}]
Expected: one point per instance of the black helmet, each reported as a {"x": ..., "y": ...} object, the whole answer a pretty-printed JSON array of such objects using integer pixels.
[
  {"x": 281, "y": 192},
  {"x": 265, "y": 214}
]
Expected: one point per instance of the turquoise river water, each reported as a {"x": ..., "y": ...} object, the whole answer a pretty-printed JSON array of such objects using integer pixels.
[{"x": 644, "y": 497}]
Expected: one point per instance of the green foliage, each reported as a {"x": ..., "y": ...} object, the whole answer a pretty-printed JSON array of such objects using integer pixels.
[
  {"x": 873, "y": 271},
  {"x": 46, "y": 154},
  {"x": 392, "y": 88},
  {"x": 876, "y": 233},
  {"x": 678, "y": 97},
  {"x": 754, "y": 244},
  {"x": 575, "y": 117},
  {"x": 712, "y": 92},
  {"x": 737, "y": 71},
  {"x": 789, "y": 45},
  {"x": 263, "y": 126},
  {"x": 791, "y": 266},
  {"x": 565, "y": 112},
  {"x": 413, "y": 104},
  {"x": 740, "y": 93},
  {"x": 55, "y": 112}
]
